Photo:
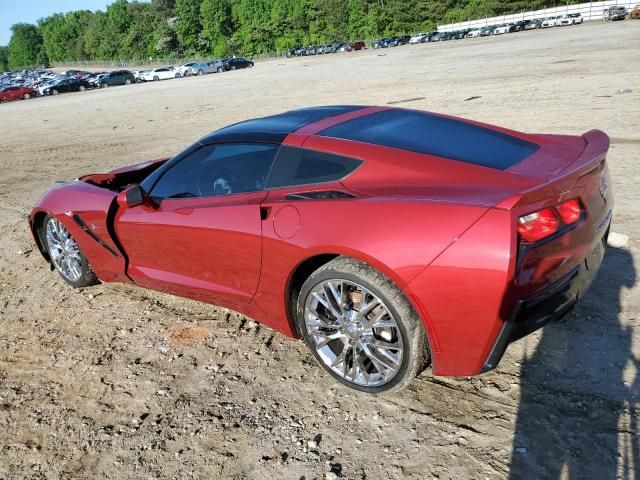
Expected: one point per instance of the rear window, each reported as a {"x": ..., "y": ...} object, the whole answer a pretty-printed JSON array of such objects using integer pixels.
[
  {"x": 298, "y": 166},
  {"x": 434, "y": 135}
]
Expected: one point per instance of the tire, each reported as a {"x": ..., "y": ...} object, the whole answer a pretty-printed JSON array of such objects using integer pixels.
[
  {"x": 156, "y": 78},
  {"x": 233, "y": 67},
  {"x": 220, "y": 70},
  {"x": 80, "y": 275},
  {"x": 127, "y": 81},
  {"x": 402, "y": 330},
  {"x": 199, "y": 72},
  {"x": 178, "y": 75},
  {"x": 55, "y": 92},
  {"x": 26, "y": 96},
  {"x": 104, "y": 85},
  {"x": 82, "y": 88}
]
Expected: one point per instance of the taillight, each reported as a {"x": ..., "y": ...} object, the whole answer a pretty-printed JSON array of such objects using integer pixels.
[
  {"x": 570, "y": 211},
  {"x": 543, "y": 223},
  {"x": 538, "y": 225}
]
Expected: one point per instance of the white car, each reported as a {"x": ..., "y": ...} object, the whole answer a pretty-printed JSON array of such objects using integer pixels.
[
  {"x": 163, "y": 73},
  {"x": 571, "y": 19},
  {"x": 184, "y": 70},
  {"x": 417, "y": 38},
  {"x": 474, "y": 33},
  {"x": 501, "y": 30},
  {"x": 550, "y": 22},
  {"x": 139, "y": 75}
]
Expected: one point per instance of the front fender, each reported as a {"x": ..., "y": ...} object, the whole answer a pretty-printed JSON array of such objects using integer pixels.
[{"x": 86, "y": 211}]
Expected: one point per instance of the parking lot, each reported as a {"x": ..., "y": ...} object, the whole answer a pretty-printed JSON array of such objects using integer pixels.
[{"x": 119, "y": 382}]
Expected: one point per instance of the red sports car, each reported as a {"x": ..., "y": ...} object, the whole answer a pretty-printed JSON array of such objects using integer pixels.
[
  {"x": 388, "y": 239},
  {"x": 16, "y": 93}
]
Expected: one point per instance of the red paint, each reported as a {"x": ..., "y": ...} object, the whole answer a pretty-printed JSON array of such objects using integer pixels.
[{"x": 443, "y": 231}]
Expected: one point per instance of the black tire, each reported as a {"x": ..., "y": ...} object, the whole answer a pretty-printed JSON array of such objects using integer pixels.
[
  {"x": 87, "y": 277},
  {"x": 199, "y": 72},
  {"x": 26, "y": 96},
  {"x": 55, "y": 92},
  {"x": 233, "y": 67},
  {"x": 156, "y": 78},
  {"x": 416, "y": 355},
  {"x": 127, "y": 81},
  {"x": 220, "y": 70},
  {"x": 178, "y": 75},
  {"x": 104, "y": 85},
  {"x": 82, "y": 88}
]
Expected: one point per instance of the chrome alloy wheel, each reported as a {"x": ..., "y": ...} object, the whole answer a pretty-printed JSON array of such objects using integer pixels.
[
  {"x": 63, "y": 250},
  {"x": 353, "y": 332}
]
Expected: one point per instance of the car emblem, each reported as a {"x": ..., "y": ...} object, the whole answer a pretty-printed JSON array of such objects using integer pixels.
[{"x": 604, "y": 189}]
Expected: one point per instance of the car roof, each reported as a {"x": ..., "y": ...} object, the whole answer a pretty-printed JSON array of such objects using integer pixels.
[{"x": 275, "y": 128}]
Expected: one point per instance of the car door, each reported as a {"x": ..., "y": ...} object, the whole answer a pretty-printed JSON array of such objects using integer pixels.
[{"x": 202, "y": 236}]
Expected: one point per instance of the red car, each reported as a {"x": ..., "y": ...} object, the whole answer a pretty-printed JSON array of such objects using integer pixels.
[
  {"x": 386, "y": 238},
  {"x": 16, "y": 93}
]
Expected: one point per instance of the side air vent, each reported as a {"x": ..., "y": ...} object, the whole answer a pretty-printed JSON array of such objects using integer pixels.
[{"x": 320, "y": 195}]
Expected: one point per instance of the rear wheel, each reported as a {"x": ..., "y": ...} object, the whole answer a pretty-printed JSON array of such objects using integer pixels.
[
  {"x": 199, "y": 72},
  {"x": 156, "y": 78},
  {"x": 66, "y": 256},
  {"x": 178, "y": 75},
  {"x": 82, "y": 88},
  {"x": 127, "y": 81},
  {"x": 55, "y": 92},
  {"x": 360, "y": 327},
  {"x": 219, "y": 70},
  {"x": 26, "y": 96}
]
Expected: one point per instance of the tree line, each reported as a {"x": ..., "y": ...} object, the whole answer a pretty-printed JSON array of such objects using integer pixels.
[{"x": 200, "y": 28}]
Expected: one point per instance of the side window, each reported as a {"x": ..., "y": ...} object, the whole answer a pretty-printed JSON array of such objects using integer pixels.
[
  {"x": 222, "y": 169},
  {"x": 298, "y": 166}
]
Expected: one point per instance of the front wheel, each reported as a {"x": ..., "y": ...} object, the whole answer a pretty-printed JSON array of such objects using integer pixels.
[
  {"x": 55, "y": 92},
  {"x": 360, "y": 327},
  {"x": 178, "y": 75},
  {"x": 66, "y": 256},
  {"x": 26, "y": 96},
  {"x": 199, "y": 72},
  {"x": 82, "y": 88},
  {"x": 156, "y": 78},
  {"x": 127, "y": 81}
]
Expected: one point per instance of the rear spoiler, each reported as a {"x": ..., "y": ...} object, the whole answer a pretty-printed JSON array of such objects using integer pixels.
[{"x": 589, "y": 161}]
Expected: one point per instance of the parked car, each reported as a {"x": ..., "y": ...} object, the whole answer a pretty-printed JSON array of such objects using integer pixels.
[
  {"x": 202, "y": 68},
  {"x": 474, "y": 33},
  {"x": 550, "y": 22},
  {"x": 237, "y": 220},
  {"x": 185, "y": 69},
  {"x": 237, "y": 63},
  {"x": 417, "y": 38},
  {"x": 521, "y": 25},
  {"x": 359, "y": 45},
  {"x": 8, "y": 94},
  {"x": 67, "y": 85},
  {"x": 163, "y": 73},
  {"x": 486, "y": 31},
  {"x": 117, "y": 77},
  {"x": 614, "y": 13},
  {"x": 534, "y": 24},
  {"x": 571, "y": 19},
  {"x": 44, "y": 85}
]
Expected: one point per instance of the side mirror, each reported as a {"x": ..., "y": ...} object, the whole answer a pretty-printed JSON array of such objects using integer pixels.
[{"x": 132, "y": 197}]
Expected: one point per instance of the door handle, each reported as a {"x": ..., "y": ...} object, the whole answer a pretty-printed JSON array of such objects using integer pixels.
[{"x": 265, "y": 212}]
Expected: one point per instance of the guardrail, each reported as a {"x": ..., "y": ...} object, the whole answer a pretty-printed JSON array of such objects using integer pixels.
[{"x": 590, "y": 11}]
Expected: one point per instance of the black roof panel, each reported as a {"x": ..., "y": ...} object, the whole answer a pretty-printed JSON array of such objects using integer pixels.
[
  {"x": 275, "y": 127},
  {"x": 431, "y": 134}
]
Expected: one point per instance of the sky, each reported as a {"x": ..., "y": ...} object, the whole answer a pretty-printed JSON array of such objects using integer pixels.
[{"x": 16, "y": 11}]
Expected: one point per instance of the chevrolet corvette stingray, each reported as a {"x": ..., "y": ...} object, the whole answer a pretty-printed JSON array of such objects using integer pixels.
[{"x": 388, "y": 239}]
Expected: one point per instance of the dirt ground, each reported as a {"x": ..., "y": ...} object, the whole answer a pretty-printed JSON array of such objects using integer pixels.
[{"x": 119, "y": 382}]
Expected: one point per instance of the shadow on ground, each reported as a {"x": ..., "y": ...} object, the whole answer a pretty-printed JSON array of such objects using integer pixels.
[{"x": 577, "y": 417}]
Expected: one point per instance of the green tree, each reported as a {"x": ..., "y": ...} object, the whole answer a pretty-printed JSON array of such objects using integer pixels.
[
  {"x": 25, "y": 46},
  {"x": 216, "y": 21},
  {"x": 4, "y": 59},
  {"x": 188, "y": 25}
]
